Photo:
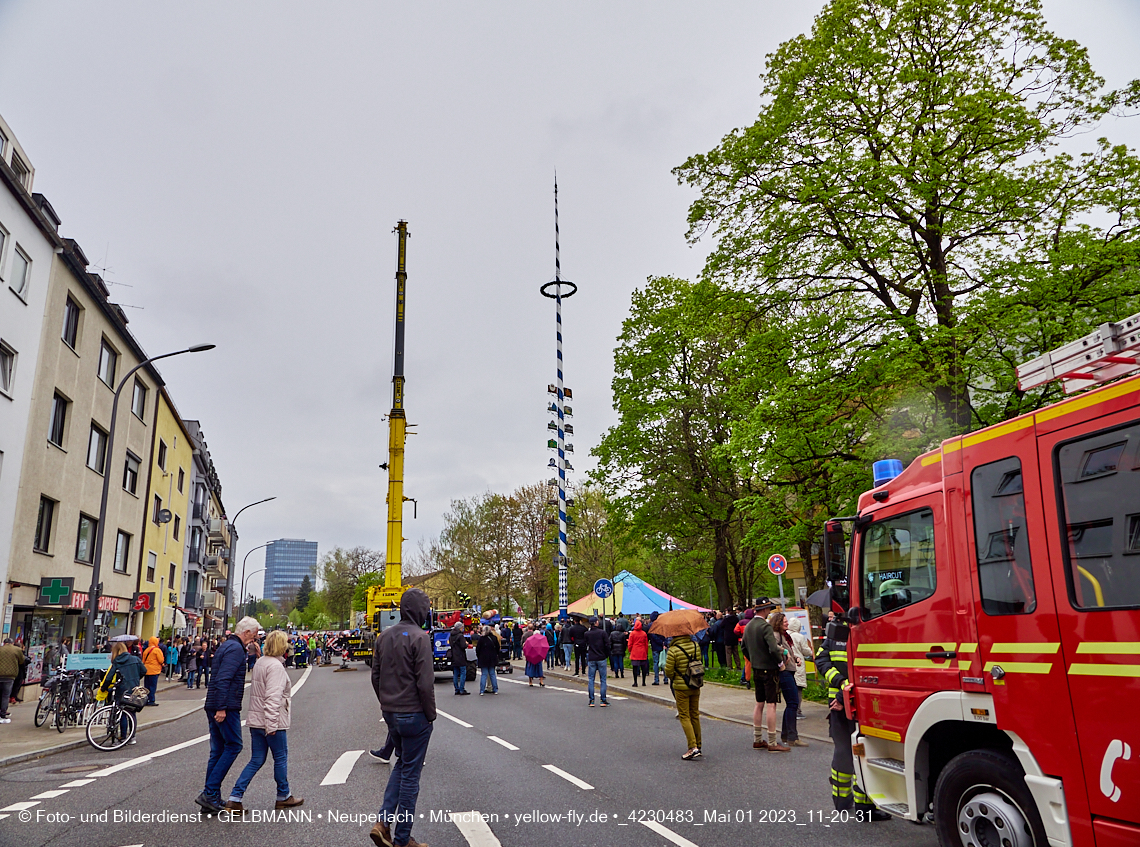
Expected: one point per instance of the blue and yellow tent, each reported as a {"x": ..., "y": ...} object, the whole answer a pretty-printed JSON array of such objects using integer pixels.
[{"x": 632, "y": 596}]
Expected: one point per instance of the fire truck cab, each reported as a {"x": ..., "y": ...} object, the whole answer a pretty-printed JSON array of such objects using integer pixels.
[{"x": 993, "y": 591}]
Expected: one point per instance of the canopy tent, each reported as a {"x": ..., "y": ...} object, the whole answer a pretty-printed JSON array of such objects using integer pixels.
[{"x": 632, "y": 596}]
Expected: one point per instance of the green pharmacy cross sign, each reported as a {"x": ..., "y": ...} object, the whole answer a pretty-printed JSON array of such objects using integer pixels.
[{"x": 55, "y": 591}]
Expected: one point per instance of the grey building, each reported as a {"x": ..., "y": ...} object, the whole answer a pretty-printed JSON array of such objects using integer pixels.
[{"x": 287, "y": 562}]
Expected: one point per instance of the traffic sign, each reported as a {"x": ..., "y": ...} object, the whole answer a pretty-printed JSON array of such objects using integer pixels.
[
  {"x": 777, "y": 564},
  {"x": 603, "y": 588}
]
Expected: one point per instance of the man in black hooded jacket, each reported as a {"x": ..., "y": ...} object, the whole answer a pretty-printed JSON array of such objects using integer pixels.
[{"x": 403, "y": 677}]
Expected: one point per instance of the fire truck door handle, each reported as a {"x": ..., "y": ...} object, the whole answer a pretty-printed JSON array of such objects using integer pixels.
[{"x": 942, "y": 654}]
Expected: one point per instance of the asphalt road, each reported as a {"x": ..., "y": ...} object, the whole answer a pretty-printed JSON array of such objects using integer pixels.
[{"x": 597, "y": 776}]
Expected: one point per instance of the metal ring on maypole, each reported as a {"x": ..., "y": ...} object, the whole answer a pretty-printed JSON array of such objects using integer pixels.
[{"x": 573, "y": 290}]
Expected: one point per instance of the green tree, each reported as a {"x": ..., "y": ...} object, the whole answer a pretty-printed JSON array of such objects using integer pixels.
[
  {"x": 904, "y": 182},
  {"x": 303, "y": 592}
]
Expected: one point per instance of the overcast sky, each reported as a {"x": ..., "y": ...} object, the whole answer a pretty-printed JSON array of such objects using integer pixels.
[{"x": 238, "y": 170}]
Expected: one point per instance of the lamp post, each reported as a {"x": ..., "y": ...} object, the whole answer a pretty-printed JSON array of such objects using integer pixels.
[
  {"x": 233, "y": 549},
  {"x": 92, "y": 600},
  {"x": 259, "y": 570},
  {"x": 258, "y": 547}
]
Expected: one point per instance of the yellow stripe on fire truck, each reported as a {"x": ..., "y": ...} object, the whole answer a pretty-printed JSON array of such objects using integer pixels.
[
  {"x": 900, "y": 663},
  {"x": 1106, "y": 648}
]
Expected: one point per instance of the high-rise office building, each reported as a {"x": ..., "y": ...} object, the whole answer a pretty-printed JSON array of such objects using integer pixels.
[{"x": 287, "y": 562}]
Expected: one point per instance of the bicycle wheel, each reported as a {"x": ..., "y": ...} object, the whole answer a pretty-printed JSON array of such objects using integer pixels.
[
  {"x": 44, "y": 707},
  {"x": 104, "y": 731}
]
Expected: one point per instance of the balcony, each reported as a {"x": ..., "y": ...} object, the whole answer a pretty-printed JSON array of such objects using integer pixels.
[
  {"x": 217, "y": 529},
  {"x": 215, "y": 600},
  {"x": 195, "y": 556},
  {"x": 194, "y": 601},
  {"x": 199, "y": 511}
]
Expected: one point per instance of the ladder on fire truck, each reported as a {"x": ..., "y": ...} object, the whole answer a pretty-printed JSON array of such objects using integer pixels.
[{"x": 1110, "y": 351}]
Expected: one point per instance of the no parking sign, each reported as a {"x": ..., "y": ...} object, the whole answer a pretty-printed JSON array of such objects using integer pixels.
[{"x": 777, "y": 564}]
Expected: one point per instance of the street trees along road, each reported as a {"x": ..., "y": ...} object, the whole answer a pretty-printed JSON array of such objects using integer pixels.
[{"x": 905, "y": 183}]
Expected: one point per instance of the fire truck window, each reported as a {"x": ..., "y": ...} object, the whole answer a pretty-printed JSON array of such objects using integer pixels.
[
  {"x": 1005, "y": 574},
  {"x": 1099, "y": 485},
  {"x": 898, "y": 562}
]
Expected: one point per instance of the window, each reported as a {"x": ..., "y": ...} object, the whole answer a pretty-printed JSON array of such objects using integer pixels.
[
  {"x": 7, "y": 367},
  {"x": 21, "y": 170},
  {"x": 58, "y": 420},
  {"x": 42, "y": 541},
  {"x": 107, "y": 360},
  {"x": 162, "y": 454},
  {"x": 181, "y": 479},
  {"x": 170, "y": 582},
  {"x": 1099, "y": 481},
  {"x": 1005, "y": 573},
  {"x": 21, "y": 271},
  {"x": 71, "y": 323},
  {"x": 898, "y": 562},
  {"x": 96, "y": 449},
  {"x": 85, "y": 539},
  {"x": 177, "y": 526},
  {"x": 157, "y": 508},
  {"x": 151, "y": 561},
  {"x": 3, "y": 143},
  {"x": 131, "y": 473},
  {"x": 122, "y": 552},
  {"x": 138, "y": 400},
  {"x": 3, "y": 232}
]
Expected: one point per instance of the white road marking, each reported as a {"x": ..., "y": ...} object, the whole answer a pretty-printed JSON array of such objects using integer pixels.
[
  {"x": 569, "y": 777},
  {"x": 665, "y": 832},
  {"x": 3, "y": 816},
  {"x": 304, "y": 678},
  {"x": 19, "y": 807},
  {"x": 452, "y": 718},
  {"x": 506, "y": 744},
  {"x": 76, "y": 783},
  {"x": 342, "y": 767},
  {"x": 472, "y": 827},
  {"x": 560, "y": 688},
  {"x": 48, "y": 795}
]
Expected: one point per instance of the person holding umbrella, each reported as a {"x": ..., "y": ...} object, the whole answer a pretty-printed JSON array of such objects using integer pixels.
[
  {"x": 685, "y": 671},
  {"x": 535, "y": 649}
]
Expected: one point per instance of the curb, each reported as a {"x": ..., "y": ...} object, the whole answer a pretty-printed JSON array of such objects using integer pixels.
[
  {"x": 82, "y": 742},
  {"x": 669, "y": 703}
]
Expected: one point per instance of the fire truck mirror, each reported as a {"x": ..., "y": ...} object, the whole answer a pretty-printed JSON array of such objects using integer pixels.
[{"x": 835, "y": 551}]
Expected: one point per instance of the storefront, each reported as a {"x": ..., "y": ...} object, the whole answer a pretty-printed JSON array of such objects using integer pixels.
[{"x": 46, "y": 629}]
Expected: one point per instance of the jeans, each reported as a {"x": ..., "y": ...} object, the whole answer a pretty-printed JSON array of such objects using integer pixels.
[
  {"x": 518, "y": 649},
  {"x": 617, "y": 664},
  {"x": 596, "y": 667},
  {"x": 567, "y": 651},
  {"x": 259, "y": 744},
  {"x": 550, "y": 656},
  {"x": 411, "y": 732},
  {"x": 658, "y": 665},
  {"x": 203, "y": 676},
  {"x": 225, "y": 745},
  {"x": 791, "y": 692},
  {"x": 705, "y": 654},
  {"x": 459, "y": 676},
  {"x": 151, "y": 683},
  {"x": 6, "y": 683},
  {"x": 484, "y": 675},
  {"x": 190, "y": 677}
]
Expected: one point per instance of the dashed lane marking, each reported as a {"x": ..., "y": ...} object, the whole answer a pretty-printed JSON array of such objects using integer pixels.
[
  {"x": 342, "y": 767},
  {"x": 19, "y": 807},
  {"x": 569, "y": 777},
  {"x": 506, "y": 744},
  {"x": 665, "y": 832},
  {"x": 48, "y": 795},
  {"x": 452, "y": 718},
  {"x": 472, "y": 827},
  {"x": 560, "y": 688},
  {"x": 76, "y": 783}
]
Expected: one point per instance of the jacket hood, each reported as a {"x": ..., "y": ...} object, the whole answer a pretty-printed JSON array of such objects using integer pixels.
[
  {"x": 457, "y": 627},
  {"x": 153, "y": 641},
  {"x": 637, "y": 625},
  {"x": 415, "y": 606},
  {"x": 653, "y": 615},
  {"x": 794, "y": 625}
]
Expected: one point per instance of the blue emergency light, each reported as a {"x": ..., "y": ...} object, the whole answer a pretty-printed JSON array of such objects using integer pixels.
[{"x": 886, "y": 470}]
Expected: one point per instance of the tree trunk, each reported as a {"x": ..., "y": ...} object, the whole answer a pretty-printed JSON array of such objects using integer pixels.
[{"x": 720, "y": 564}]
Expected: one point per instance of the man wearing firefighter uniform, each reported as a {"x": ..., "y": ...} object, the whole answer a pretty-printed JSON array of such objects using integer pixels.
[{"x": 831, "y": 665}]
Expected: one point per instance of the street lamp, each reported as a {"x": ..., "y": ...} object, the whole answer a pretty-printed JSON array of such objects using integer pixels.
[
  {"x": 258, "y": 547},
  {"x": 233, "y": 549},
  {"x": 89, "y": 638},
  {"x": 259, "y": 570}
]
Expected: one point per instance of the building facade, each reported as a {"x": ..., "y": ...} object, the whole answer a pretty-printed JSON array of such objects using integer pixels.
[
  {"x": 27, "y": 242},
  {"x": 287, "y": 562},
  {"x": 208, "y": 552},
  {"x": 166, "y": 534}
]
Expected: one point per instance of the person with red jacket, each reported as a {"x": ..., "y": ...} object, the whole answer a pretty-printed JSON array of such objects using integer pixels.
[
  {"x": 639, "y": 652},
  {"x": 153, "y": 657}
]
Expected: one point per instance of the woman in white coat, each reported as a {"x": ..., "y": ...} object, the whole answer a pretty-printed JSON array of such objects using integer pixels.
[
  {"x": 803, "y": 645},
  {"x": 268, "y": 722}
]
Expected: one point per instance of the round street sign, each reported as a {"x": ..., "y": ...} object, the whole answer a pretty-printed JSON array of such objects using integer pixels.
[
  {"x": 603, "y": 588},
  {"x": 777, "y": 564}
]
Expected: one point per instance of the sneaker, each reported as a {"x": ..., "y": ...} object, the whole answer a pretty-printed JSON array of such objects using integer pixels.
[
  {"x": 288, "y": 803},
  {"x": 381, "y": 836},
  {"x": 591, "y": 704},
  {"x": 481, "y": 693},
  {"x": 778, "y": 748},
  {"x": 689, "y": 755},
  {"x": 655, "y": 683},
  {"x": 798, "y": 743},
  {"x": 132, "y": 741},
  {"x": 379, "y": 756},
  {"x": 759, "y": 745},
  {"x": 604, "y": 703},
  {"x": 699, "y": 753},
  {"x": 5, "y": 720}
]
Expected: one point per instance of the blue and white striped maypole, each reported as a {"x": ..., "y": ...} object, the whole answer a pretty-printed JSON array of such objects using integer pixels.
[{"x": 559, "y": 402}]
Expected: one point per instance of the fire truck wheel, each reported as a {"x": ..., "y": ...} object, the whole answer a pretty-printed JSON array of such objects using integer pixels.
[{"x": 981, "y": 798}]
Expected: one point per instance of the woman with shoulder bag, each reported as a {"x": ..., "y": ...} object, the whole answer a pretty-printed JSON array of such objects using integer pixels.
[
  {"x": 793, "y": 659},
  {"x": 684, "y": 652}
]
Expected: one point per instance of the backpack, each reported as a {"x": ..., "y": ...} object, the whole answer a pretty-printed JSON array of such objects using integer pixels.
[{"x": 694, "y": 675}]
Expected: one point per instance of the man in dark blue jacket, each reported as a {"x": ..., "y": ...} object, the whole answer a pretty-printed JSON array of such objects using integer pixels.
[{"x": 223, "y": 709}]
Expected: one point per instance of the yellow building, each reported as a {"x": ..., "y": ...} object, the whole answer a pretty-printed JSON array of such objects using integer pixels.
[{"x": 166, "y": 528}]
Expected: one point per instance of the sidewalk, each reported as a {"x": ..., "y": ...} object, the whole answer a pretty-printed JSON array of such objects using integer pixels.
[
  {"x": 723, "y": 702},
  {"x": 22, "y": 739}
]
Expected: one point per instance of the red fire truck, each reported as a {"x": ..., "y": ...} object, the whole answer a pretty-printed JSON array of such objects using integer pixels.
[{"x": 993, "y": 590}]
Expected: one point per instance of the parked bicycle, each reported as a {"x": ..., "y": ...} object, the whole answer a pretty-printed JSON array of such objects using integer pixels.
[{"x": 111, "y": 726}]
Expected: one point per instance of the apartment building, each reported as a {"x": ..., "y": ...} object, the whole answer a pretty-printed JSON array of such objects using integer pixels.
[{"x": 209, "y": 551}]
